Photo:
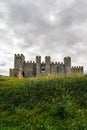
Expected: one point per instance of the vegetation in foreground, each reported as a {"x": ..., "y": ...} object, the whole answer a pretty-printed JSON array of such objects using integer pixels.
[{"x": 44, "y": 103}]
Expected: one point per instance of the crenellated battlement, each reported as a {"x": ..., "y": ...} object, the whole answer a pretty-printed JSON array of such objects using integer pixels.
[
  {"x": 53, "y": 63},
  {"x": 61, "y": 63},
  {"x": 19, "y": 55},
  {"x": 58, "y": 63},
  {"x": 36, "y": 68},
  {"x": 43, "y": 62},
  {"x": 27, "y": 62},
  {"x": 77, "y": 69}
]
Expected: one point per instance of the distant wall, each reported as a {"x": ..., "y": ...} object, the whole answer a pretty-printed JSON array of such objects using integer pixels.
[{"x": 77, "y": 69}]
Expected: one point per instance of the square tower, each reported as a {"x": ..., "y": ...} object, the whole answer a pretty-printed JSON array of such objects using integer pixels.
[
  {"x": 19, "y": 60},
  {"x": 67, "y": 63}
]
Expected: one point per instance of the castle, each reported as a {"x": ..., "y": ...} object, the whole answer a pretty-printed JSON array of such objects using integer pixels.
[{"x": 33, "y": 69}]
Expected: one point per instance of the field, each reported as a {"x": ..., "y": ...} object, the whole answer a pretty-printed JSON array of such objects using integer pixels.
[{"x": 43, "y": 103}]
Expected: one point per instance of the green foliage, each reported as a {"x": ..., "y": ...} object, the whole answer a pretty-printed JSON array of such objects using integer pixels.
[{"x": 43, "y": 103}]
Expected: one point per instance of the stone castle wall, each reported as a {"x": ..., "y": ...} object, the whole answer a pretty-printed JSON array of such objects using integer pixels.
[
  {"x": 77, "y": 69},
  {"x": 33, "y": 69}
]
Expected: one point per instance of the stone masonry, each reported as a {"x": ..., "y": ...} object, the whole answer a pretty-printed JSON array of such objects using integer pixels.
[{"x": 33, "y": 69}]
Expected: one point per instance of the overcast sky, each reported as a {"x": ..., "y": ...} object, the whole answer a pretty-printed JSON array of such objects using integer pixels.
[{"x": 43, "y": 27}]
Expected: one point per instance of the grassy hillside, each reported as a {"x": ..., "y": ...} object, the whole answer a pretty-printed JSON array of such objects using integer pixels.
[{"x": 44, "y": 103}]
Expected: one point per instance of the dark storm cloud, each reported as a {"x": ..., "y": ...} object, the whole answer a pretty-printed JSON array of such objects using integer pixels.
[{"x": 45, "y": 27}]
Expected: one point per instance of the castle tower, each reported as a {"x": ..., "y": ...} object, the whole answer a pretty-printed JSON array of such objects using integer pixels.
[
  {"x": 62, "y": 69},
  {"x": 47, "y": 63},
  {"x": 18, "y": 61},
  {"x": 38, "y": 65},
  {"x": 67, "y": 63}
]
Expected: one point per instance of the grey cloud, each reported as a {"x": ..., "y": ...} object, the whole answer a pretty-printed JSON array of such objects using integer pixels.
[
  {"x": 23, "y": 13},
  {"x": 76, "y": 14}
]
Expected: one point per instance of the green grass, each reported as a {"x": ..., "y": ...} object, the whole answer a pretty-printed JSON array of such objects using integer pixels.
[{"x": 44, "y": 103}]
